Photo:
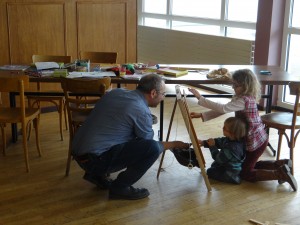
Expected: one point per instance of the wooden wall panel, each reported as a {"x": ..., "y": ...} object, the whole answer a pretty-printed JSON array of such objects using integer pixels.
[
  {"x": 4, "y": 51},
  {"x": 105, "y": 26},
  {"x": 66, "y": 27},
  {"x": 36, "y": 28}
]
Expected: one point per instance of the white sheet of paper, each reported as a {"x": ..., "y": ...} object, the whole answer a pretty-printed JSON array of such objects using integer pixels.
[
  {"x": 46, "y": 65},
  {"x": 91, "y": 74}
]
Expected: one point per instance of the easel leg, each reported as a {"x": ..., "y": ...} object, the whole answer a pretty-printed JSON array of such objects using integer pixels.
[{"x": 168, "y": 135}]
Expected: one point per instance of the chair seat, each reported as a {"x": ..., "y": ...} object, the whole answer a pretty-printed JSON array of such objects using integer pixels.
[
  {"x": 12, "y": 115},
  {"x": 280, "y": 120},
  {"x": 46, "y": 93},
  {"x": 56, "y": 100},
  {"x": 45, "y": 98},
  {"x": 79, "y": 117}
]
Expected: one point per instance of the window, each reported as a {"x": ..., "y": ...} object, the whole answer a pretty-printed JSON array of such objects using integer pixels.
[
  {"x": 235, "y": 12},
  {"x": 229, "y": 18},
  {"x": 290, "y": 48},
  {"x": 232, "y": 18},
  {"x": 197, "y": 8},
  {"x": 155, "y": 6}
]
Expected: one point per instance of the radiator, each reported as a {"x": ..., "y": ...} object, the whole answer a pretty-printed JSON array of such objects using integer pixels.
[{"x": 157, "y": 45}]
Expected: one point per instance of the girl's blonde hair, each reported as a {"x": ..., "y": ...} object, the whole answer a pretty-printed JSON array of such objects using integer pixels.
[
  {"x": 237, "y": 127},
  {"x": 248, "y": 80}
]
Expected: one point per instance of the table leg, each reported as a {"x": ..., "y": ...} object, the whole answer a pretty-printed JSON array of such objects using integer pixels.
[
  {"x": 14, "y": 128},
  {"x": 268, "y": 110},
  {"x": 161, "y": 120},
  {"x": 269, "y": 98}
]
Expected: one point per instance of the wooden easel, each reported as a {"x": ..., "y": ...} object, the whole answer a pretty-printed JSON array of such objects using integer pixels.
[{"x": 181, "y": 101}]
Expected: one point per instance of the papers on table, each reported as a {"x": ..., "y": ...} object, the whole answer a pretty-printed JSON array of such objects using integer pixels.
[
  {"x": 46, "y": 73},
  {"x": 14, "y": 67},
  {"x": 46, "y": 65},
  {"x": 132, "y": 76},
  {"x": 135, "y": 76},
  {"x": 91, "y": 74}
]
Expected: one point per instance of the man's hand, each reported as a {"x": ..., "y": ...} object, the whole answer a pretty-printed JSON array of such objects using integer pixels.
[
  {"x": 181, "y": 145},
  {"x": 175, "y": 144}
]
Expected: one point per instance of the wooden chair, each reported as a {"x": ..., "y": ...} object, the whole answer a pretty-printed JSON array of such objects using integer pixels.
[
  {"x": 283, "y": 121},
  {"x": 100, "y": 57},
  {"x": 58, "y": 101},
  {"x": 21, "y": 114},
  {"x": 79, "y": 108}
]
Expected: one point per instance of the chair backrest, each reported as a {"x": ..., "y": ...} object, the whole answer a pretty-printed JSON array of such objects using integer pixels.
[
  {"x": 51, "y": 58},
  {"x": 86, "y": 85},
  {"x": 15, "y": 83},
  {"x": 295, "y": 90},
  {"x": 100, "y": 57},
  {"x": 75, "y": 89}
]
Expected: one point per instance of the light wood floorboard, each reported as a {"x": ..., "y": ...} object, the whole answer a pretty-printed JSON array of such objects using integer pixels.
[{"x": 46, "y": 196}]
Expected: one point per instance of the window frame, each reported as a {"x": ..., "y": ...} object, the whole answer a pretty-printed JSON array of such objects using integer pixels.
[
  {"x": 287, "y": 32},
  {"x": 223, "y": 23}
]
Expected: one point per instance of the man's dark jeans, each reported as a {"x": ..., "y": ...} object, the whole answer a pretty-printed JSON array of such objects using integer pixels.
[{"x": 137, "y": 156}]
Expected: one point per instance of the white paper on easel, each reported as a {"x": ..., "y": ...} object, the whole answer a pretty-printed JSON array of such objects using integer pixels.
[{"x": 46, "y": 65}]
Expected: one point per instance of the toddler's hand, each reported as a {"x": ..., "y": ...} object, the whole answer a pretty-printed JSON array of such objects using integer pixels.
[
  {"x": 200, "y": 142},
  {"x": 210, "y": 142}
]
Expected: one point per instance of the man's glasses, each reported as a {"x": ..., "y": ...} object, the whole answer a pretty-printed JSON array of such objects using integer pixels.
[{"x": 162, "y": 93}]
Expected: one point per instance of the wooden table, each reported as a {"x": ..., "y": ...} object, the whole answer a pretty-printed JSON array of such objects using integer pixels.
[{"x": 278, "y": 77}]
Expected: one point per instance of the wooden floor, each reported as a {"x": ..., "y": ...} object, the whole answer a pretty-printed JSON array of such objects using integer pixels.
[{"x": 46, "y": 196}]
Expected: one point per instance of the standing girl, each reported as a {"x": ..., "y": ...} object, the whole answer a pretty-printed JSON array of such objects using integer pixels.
[{"x": 244, "y": 104}]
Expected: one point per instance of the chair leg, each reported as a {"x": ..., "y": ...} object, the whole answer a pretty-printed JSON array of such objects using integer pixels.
[
  {"x": 3, "y": 138},
  {"x": 68, "y": 160},
  {"x": 292, "y": 146},
  {"x": 29, "y": 129},
  {"x": 37, "y": 135},
  {"x": 65, "y": 114},
  {"x": 25, "y": 148},
  {"x": 71, "y": 133},
  {"x": 280, "y": 133},
  {"x": 31, "y": 104},
  {"x": 292, "y": 158},
  {"x": 60, "y": 112}
]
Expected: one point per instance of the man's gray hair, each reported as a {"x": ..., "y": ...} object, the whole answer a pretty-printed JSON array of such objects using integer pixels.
[{"x": 149, "y": 82}]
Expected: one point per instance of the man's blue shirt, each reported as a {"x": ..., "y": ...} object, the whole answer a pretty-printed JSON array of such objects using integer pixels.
[{"x": 118, "y": 117}]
